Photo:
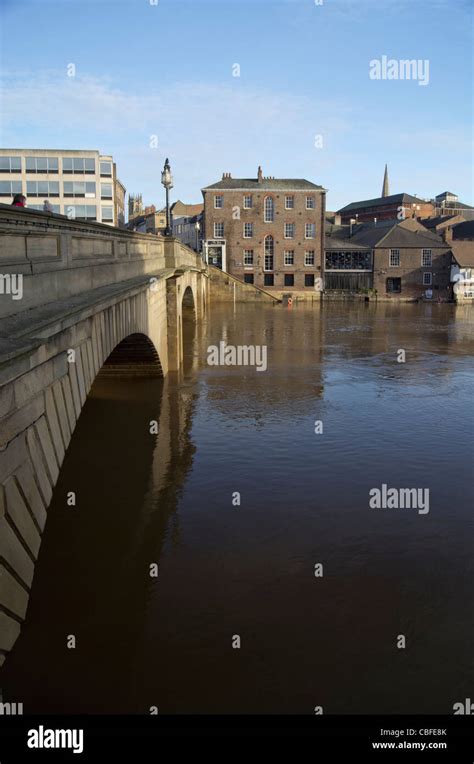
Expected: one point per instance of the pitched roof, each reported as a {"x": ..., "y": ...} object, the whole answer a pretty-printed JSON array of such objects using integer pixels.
[
  {"x": 433, "y": 222},
  {"x": 343, "y": 244},
  {"x": 267, "y": 184},
  {"x": 382, "y": 201},
  {"x": 396, "y": 235},
  {"x": 464, "y": 230},
  {"x": 463, "y": 252}
]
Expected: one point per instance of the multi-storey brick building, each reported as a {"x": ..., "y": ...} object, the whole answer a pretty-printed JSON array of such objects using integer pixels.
[
  {"x": 80, "y": 184},
  {"x": 266, "y": 231}
]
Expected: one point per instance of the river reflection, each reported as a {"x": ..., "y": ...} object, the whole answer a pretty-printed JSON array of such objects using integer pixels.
[{"x": 248, "y": 570}]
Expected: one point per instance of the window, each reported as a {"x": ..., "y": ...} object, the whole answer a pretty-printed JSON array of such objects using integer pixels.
[
  {"x": 248, "y": 202},
  {"x": 394, "y": 258},
  {"x": 268, "y": 265},
  {"x": 289, "y": 279},
  {"x": 269, "y": 245},
  {"x": 269, "y": 210},
  {"x": 394, "y": 286},
  {"x": 80, "y": 211},
  {"x": 289, "y": 230},
  {"x": 218, "y": 202},
  {"x": 248, "y": 256},
  {"x": 248, "y": 278},
  {"x": 105, "y": 169},
  {"x": 107, "y": 214},
  {"x": 248, "y": 230},
  {"x": 289, "y": 202},
  {"x": 10, "y": 187},
  {"x": 309, "y": 279},
  {"x": 310, "y": 231},
  {"x": 42, "y": 188},
  {"x": 77, "y": 188},
  {"x": 56, "y": 207},
  {"x": 77, "y": 165},
  {"x": 218, "y": 230},
  {"x": 42, "y": 164},
  {"x": 309, "y": 257},
  {"x": 106, "y": 190},
  {"x": 268, "y": 279},
  {"x": 289, "y": 257},
  {"x": 427, "y": 279},
  {"x": 351, "y": 261},
  {"x": 310, "y": 203},
  {"x": 426, "y": 258},
  {"x": 10, "y": 164}
]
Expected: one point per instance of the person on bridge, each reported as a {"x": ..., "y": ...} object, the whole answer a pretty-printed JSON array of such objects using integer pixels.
[
  {"x": 47, "y": 206},
  {"x": 19, "y": 200}
]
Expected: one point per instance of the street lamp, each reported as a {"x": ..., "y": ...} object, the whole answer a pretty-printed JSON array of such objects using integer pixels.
[
  {"x": 197, "y": 226},
  {"x": 167, "y": 182}
]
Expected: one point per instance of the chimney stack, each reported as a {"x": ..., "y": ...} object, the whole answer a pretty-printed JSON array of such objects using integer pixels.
[
  {"x": 448, "y": 234},
  {"x": 260, "y": 175}
]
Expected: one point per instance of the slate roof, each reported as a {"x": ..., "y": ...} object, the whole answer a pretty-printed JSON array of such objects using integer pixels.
[
  {"x": 464, "y": 230},
  {"x": 433, "y": 222},
  {"x": 382, "y": 201},
  {"x": 267, "y": 184},
  {"x": 345, "y": 245},
  {"x": 396, "y": 236}
]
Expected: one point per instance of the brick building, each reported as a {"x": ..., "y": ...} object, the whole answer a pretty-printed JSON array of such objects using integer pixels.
[
  {"x": 399, "y": 259},
  {"x": 266, "y": 231},
  {"x": 396, "y": 206}
]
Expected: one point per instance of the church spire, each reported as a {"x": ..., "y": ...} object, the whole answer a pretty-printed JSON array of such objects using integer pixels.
[{"x": 385, "y": 189}]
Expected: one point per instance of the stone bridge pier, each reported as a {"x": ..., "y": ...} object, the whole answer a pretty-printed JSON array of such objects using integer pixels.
[{"x": 94, "y": 299}]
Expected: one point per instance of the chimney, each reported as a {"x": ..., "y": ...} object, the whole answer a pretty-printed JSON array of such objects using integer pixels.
[
  {"x": 260, "y": 175},
  {"x": 448, "y": 234}
]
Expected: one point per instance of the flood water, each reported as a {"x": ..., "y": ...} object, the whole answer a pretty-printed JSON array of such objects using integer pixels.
[{"x": 249, "y": 570}]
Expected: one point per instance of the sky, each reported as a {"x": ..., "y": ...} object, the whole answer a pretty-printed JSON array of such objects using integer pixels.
[{"x": 156, "y": 78}]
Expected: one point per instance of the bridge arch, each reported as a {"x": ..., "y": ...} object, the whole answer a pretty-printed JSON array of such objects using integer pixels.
[
  {"x": 47, "y": 401},
  {"x": 92, "y": 294}
]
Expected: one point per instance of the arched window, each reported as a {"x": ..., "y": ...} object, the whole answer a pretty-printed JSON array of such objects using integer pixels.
[
  {"x": 269, "y": 245},
  {"x": 269, "y": 210},
  {"x": 268, "y": 258}
]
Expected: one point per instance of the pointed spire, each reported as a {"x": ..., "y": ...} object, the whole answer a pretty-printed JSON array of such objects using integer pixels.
[{"x": 385, "y": 188}]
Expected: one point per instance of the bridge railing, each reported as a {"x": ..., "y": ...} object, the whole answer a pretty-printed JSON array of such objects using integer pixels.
[{"x": 46, "y": 257}]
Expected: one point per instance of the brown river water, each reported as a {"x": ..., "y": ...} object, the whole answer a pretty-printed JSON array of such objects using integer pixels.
[{"x": 248, "y": 570}]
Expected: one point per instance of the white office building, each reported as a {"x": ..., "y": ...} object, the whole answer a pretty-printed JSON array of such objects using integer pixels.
[{"x": 80, "y": 184}]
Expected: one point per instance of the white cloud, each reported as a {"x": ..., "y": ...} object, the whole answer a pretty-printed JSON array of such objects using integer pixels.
[{"x": 205, "y": 129}]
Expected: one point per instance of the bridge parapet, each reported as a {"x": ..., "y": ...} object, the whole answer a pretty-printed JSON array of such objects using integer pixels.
[{"x": 57, "y": 257}]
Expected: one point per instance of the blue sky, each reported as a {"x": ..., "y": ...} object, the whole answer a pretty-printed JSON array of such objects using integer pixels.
[{"x": 166, "y": 70}]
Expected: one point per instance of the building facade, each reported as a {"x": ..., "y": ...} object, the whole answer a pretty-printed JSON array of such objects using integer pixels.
[
  {"x": 266, "y": 231},
  {"x": 398, "y": 260},
  {"x": 461, "y": 240},
  {"x": 82, "y": 185}
]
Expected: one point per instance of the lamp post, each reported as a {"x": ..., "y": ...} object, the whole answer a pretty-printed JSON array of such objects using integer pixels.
[
  {"x": 197, "y": 226},
  {"x": 167, "y": 182}
]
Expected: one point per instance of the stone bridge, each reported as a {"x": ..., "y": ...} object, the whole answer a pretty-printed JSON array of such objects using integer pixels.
[{"x": 76, "y": 299}]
